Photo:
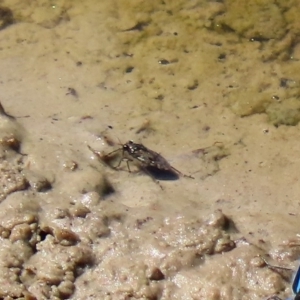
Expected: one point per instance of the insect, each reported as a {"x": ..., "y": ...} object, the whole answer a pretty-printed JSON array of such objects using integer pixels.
[{"x": 151, "y": 162}]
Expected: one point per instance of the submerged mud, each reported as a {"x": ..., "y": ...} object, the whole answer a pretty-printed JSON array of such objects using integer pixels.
[
  {"x": 90, "y": 245},
  {"x": 97, "y": 248}
]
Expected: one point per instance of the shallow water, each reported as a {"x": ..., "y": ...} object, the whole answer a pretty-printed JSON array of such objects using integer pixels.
[{"x": 211, "y": 86}]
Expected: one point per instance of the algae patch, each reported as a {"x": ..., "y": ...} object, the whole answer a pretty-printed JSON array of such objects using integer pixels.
[
  {"x": 285, "y": 113},
  {"x": 254, "y": 19},
  {"x": 279, "y": 100},
  {"x": 245, "y": 102}
]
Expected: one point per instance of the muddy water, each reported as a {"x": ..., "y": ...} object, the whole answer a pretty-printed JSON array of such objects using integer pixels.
[{"x": 212, "y": 86}]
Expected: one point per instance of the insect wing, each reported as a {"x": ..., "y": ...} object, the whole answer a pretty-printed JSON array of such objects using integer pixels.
[{"x": 296, "y": 284}]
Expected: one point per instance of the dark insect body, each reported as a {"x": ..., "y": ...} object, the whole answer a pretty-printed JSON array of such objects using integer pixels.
[{"x": 149, "y": 161}]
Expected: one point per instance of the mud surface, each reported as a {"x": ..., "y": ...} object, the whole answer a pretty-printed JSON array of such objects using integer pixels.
[{"x": 212, "y": 86}]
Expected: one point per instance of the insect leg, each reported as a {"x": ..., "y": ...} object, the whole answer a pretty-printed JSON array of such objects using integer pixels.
[
  {"x": 120, "y": 161},
  {"x": 100, "y": 155},
  {"x": 128, "y": 166},
  {"x": 105, "y": 158},
  {"x": 110, "y": 153},
  {"x": 152, "y": 177},
  {"x": 127, "y": 161},
  {"x": 274, "y": 266},
  {"x": 180, "y": 173}
]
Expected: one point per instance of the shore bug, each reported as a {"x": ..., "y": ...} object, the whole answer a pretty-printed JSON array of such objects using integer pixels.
[{"x": 149, "y": 161}]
